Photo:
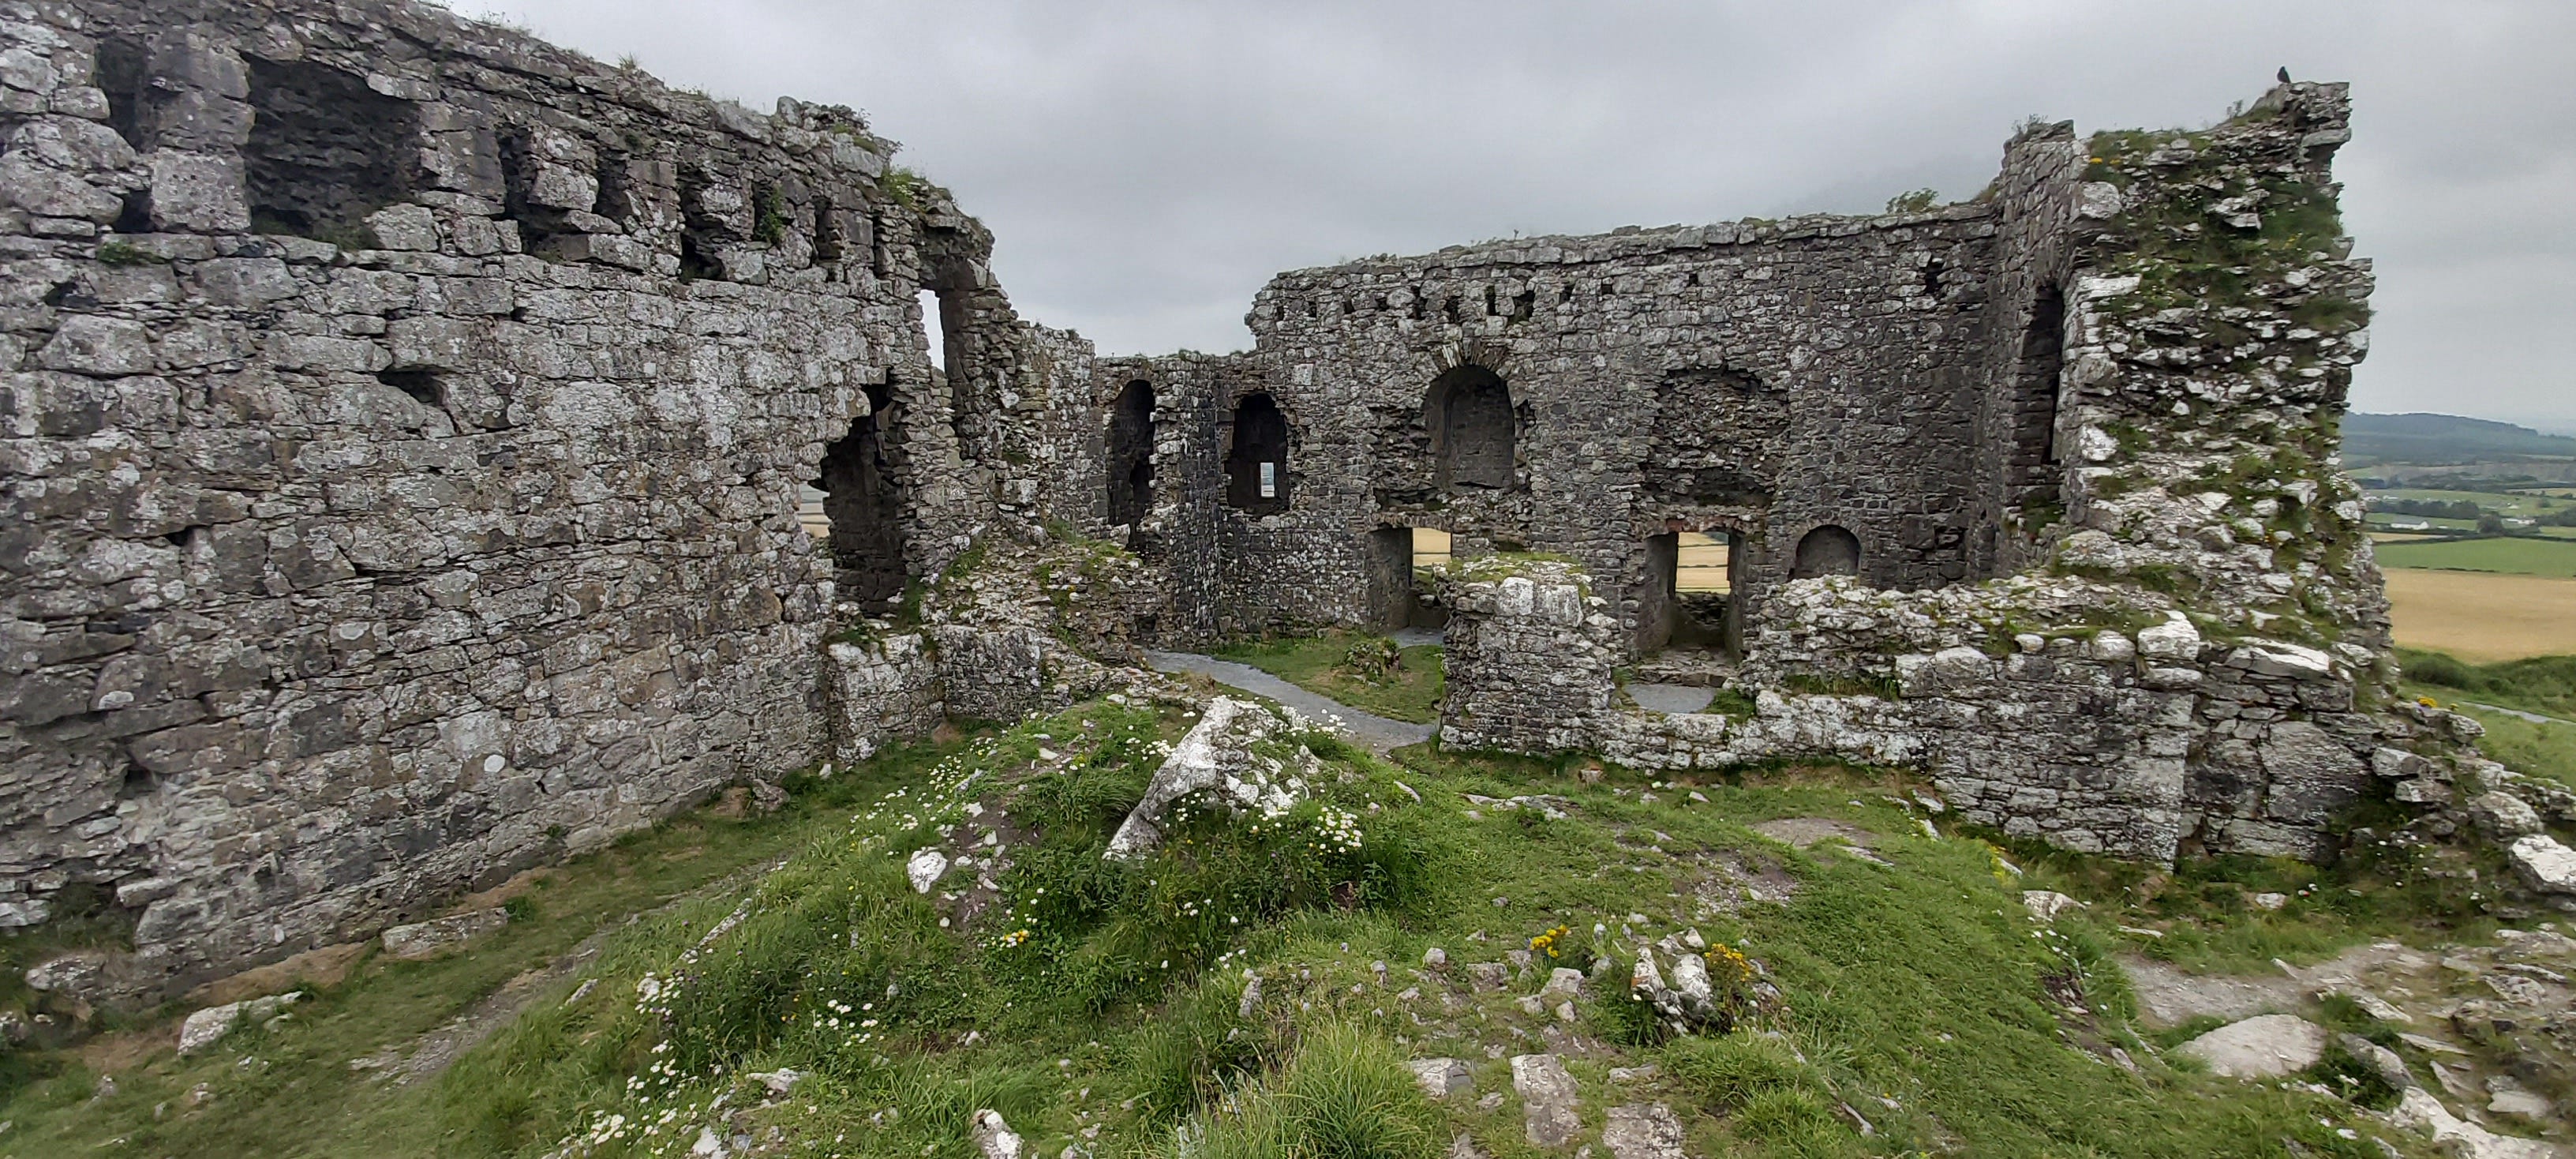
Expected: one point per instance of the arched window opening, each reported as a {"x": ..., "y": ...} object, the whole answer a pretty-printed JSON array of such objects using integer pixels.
[
  {"x": 2043, "y": 361},
  {"x": 1256, "y": 457},
  {"x": 1828, "y": 550},
  {"x": 1131, "y": 454},
  {"x": 863, "y": 511},
  {"x": 1469, "y": 415}
]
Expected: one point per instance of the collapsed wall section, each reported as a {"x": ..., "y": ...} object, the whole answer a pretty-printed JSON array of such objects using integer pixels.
[{"x": 405, "y": 428}]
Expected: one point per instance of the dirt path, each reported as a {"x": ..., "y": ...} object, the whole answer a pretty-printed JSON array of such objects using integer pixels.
[{"x": 432, "y": 1053}]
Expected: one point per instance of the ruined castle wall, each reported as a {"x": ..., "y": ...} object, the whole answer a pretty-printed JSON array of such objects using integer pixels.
[
  {"x": 404, "y": 427},
  {"x": 2020, "y": 442},
  {"x": 2190, "y": 656},
  {"x": 1763, "y": 378}
]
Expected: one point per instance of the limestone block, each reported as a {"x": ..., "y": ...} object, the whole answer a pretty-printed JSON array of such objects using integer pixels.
[
  {"x": 2311, "y": 773},
  {"x": 2503, "y": 816},
  {"x": 208, "y": 1026},
  {"x": 2175, "y": 641},
  {"x": 404, "y": 227},
  {"x": 2265, "y": 1046},
  {"x": 31, "y": 186},
  {"x": 1548, "y": 1101},
  {"x": 437, "y": 937},
  {"x": 89, "y": 344},
  {"x": 924, "y": 869},
  {"x": 1442, "y": 1077},
  {"x": 197, "y": 192},
  {"x": 1215, "y": 757},
  {"x": 246, "y": 282},
  {"x": 2543, "y": 863},
  {"x": 1643, "y": 1131}
]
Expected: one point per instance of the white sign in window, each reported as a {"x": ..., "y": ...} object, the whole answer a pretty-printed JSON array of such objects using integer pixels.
[{"x": 1270, "y": 480}]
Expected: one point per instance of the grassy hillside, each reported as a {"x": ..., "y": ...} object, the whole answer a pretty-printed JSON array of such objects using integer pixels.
[
  {"x": 1888, "y": 994},
  {"x": 2438, "y": 438}
]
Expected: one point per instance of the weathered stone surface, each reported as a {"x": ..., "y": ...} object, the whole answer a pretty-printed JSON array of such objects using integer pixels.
[
  {"x": 1216, "y": 760},
  {"x": 993, "y": 1137},
  {"x": 2265, "y": 1046},
  {"x": 206, "y": 1027},
  {"x": 1548, "y": 1101},
  {"x": 1643, "y": 1131},
  {"x": 1443, "y": 1077},
  {"x": 2543, "y": 863},
  {"x": 434, "y": 938},
  {"x": 2503, "y": 816}
]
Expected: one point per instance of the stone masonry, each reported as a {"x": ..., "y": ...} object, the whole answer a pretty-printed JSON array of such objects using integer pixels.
[{"x": 404, "y": 424}]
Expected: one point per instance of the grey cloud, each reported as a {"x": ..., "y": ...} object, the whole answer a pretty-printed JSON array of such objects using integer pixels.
[{"x": 1147, "y": 165}]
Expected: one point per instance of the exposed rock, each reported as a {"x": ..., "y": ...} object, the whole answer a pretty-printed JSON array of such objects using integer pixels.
[
  {"x": 2503, "y": 816},
  {"x": 2544, "y": 864},
  {"x": 2419, "y": 1110},
  {"x": 924, "y": 868},
  {"x": 1643, "y": 1131},
  {"x": 993, "y": 1137},
  {"x": 1548, "y": 1100},
  {"x": 2381, "y": 1060},
  {"x": 1443, "y": 1077},
  {"x": 2265, "y": 1046},
  {"x": 421, "y": 941},
  {"x": 208, "y": 1026},
  {"x": 1216, "y": 758},
  {"x": 2045, "y": 904}
]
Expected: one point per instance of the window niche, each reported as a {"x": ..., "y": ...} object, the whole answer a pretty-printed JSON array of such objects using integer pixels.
[
  {"x": 863, "y": 504},
  {"x": 2042, "y": 367},
  {"x": 1473, "y": 430},
  {"x": 1131, "y": 454},
  {"x": 1827, "y": 550},
  {"x": 325, "y": 151},
  {"x": 1256, "y": 457}
]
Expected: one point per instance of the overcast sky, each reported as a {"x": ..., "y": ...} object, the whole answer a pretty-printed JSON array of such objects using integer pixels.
[{"x": 1148, "y": 164}]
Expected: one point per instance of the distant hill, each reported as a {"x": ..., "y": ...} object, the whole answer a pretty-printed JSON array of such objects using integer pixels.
[{"x": 2432, "y": 438}]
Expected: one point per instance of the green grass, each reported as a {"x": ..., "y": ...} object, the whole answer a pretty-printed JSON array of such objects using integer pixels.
[
  {"x": 2541, "y": 684},
  {"x": 2511, "y": 554},
  {"x": 1913, "y": 995},
  {"x": 1322, "y": 665}
]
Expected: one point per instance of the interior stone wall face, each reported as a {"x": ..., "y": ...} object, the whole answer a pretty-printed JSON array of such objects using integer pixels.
[{"x": 404, "y": 425}]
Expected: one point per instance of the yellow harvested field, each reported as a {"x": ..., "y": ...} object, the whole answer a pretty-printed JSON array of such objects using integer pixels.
[
  {"x": 2483, "y": 617},
  {"x": 2396, "y": 537}
]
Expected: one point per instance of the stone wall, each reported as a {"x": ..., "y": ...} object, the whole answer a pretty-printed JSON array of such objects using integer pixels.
[
  {"x": 1762, "y": 378},
  {"x": 406, "y": 424},
  {"x": 2148, "y": 743},
  {"x": 405, "y": 427},
  {"x": 2187, "y": 652}
]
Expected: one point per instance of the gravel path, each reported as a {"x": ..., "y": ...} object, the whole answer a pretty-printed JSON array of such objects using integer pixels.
[{"x": 1376, "y": 732}]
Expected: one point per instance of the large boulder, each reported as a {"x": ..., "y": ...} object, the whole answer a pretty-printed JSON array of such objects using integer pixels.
[
  {"x": 2268, "y": 1046},
  {"x": 2543, "y": 863},
  {"x": 1220, "y": 758}
]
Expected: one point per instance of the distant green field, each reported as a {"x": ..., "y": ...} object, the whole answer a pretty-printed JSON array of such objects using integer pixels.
[
  {"x": 2524, "y": 504},
  {"x": 2543, "y": 557}
]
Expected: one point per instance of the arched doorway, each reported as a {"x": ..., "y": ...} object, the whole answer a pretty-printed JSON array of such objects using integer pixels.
[
  {"x": 1131, "y": 454},
  {"x": 1827, "y": 550}
]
